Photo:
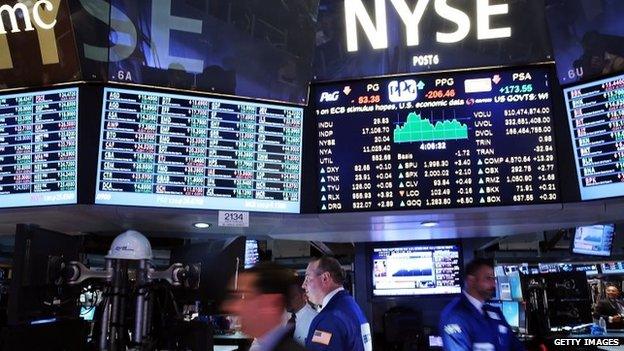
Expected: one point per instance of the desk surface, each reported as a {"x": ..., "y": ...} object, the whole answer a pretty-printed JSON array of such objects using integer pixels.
[
  {"x": 237, "y": 335},
  {"x": 225, "y": 348}
]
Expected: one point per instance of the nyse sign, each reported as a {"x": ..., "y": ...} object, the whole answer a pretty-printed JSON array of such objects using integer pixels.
[
  {"x": 369, "y": 38},
  {"x": 356, "y": 12}
]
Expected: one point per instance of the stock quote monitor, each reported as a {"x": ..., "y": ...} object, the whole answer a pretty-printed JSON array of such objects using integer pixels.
[
  {"x": 596, "y": 119},
  {"x": 416, "y": 270},
  {"x": 593, "y": 240},
  {"x": 456, "y": 139},
  {"x": 252, "y": 255},
  {"x": 183, "y": 151},
  {"x": 614, "y": 267},
  {"x": 38, "y": 148}
]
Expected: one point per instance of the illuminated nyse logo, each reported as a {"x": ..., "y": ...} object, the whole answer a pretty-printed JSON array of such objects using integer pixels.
[
  {"x": 377, "y": 31},
  {"x": 330, "y": 97},
  {"x": 12, "y": 13},
  {"x": 402, "y": 91}
]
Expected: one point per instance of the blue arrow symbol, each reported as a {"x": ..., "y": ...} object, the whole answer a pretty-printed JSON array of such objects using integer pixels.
[{"x": 421, "y": 85}]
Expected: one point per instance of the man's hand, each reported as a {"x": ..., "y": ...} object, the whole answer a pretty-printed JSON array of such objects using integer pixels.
[{"x": 616, "y": 319}]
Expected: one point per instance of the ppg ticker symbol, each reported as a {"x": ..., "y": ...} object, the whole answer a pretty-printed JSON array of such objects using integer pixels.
[{"x": 402, "y": 91}]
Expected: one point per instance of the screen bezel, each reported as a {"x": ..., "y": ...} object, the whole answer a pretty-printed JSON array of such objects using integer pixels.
[
  {"x": 398, "y": 244},
  {"x": 573, "y": 241},
  {"x": 303, "y": 203}
]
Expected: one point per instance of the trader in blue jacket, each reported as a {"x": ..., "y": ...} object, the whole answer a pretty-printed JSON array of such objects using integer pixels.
[
  {"x": 340, "y": 324},
  {"x": 467, "y": 323}
]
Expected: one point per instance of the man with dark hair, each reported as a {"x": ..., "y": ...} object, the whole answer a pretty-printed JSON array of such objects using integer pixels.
[
  {"x": 611, "y": 308},
  {"x": 302, "y": 313},
  {"x": 260, "y": 302},
  {"x": 467, "y": 323},
  {"x": 340, "y": 325}
]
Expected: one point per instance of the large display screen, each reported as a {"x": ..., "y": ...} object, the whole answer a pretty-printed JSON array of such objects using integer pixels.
[
  {"x": 38, "y": 148},
  {"x": 416, "y": 270},
  {"x": 596, "y": 119},
  {"x": 593, "y": 240},
  {"x": 442, "y": 140},
  {"x": 183, "y": 151}
]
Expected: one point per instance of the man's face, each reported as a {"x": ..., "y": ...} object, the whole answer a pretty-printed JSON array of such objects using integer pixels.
[
  {"x": 296, "y": 298},
  {"x": 612, "y": 292},
  {"x": 484, "y": 283},
  {"x": 244, "y": 303},
  {"x": 313, "y": 284}
]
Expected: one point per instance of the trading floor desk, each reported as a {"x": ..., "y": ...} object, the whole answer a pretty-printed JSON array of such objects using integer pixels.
[
  {"x": 237, "y": 340},
  {"x": 225, "y": 348}
]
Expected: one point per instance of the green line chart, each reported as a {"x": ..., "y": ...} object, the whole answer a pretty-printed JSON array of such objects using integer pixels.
[{"x": 418, "y": 129}]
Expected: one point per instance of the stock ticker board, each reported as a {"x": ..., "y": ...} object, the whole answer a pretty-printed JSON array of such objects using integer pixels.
[
  {"x": 38, "y": 148},
  {"x": 596, "y": 119},
  {"x": 183, "y": 151},
  {"x": 457, "y": 139}
]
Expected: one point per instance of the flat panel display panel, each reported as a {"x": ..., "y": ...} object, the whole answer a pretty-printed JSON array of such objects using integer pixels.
[
  {"x": 454, "y": 139},
  {"x": 588, "y": 268},
  {"x": 38, "y": 148},
  {"x": 416, "y": 270},
  {"x": 511, "y": 312},
  {"x": 615, "y": 267},
  {"x": 596, "y": 120},
  {"x": 593, "y": 240},
  {"x": 548, "y": 267},
  {"x": 168, "y": 150},
  {"x": 252, "y": 256}
]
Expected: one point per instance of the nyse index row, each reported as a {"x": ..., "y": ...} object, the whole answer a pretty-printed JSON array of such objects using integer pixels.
[
  {"x": 199, "y": 152},
  {"x": 38, "y": 148}
]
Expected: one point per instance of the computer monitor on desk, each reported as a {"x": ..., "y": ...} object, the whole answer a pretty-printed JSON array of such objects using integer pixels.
[{"x": 511, "y": 312}]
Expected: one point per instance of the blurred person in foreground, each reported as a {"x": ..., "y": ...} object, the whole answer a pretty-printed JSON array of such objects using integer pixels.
[
  {"x": 468, "y": 323},
  {"x": 260, "y": 302}
]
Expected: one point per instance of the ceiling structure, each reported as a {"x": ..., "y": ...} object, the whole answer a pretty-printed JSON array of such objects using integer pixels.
[{"x": 340, "y": 227}]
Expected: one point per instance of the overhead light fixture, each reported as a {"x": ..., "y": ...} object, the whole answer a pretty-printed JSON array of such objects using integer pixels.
[
  {"x": 201, "y": 225},
  {"x": 429, "y": 223}
]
